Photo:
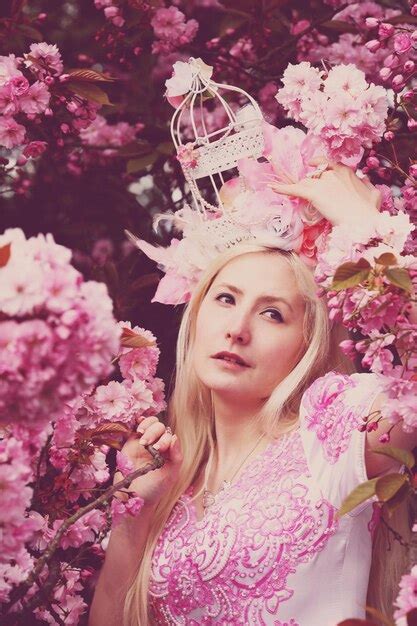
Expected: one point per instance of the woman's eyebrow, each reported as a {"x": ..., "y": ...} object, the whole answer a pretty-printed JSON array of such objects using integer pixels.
[{"x": 269, "y": 299}]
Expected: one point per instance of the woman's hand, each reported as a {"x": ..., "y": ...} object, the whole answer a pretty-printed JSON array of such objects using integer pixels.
[
  {"x": 338, "y": 193},
  {"x": 153, "y": 485}
]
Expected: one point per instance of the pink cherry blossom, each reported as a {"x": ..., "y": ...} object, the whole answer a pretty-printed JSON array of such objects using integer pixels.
[
  {"x": 19, "y": 85},
  {"x": 9, "y": 68},
  {"x": 112, "y": 399},
  {"x": 407, "y": 599},
  {"x": 120, "y": 509},
  {"x": 9, "y": 104},
  {"x": 34, "y": 149},
  {"x": 36, "y": 99},
  {"x": 11, "y": 133},
  {"x": 47, "y": 59},
  {"x": 124, "y": 464},
  {"x": 171, "y": 29}
]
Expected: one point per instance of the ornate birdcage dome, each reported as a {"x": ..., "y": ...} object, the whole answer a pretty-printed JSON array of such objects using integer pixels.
[{"x": 207, "y": 154}]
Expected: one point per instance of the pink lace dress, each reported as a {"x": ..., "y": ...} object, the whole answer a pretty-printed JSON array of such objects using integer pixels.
[{"x": 270, "y": 551}]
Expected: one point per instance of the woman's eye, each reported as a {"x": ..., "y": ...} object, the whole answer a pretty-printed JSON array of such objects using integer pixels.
[
  {"x": 225, "y": 298},
  {"x": 274, "y": 315}
]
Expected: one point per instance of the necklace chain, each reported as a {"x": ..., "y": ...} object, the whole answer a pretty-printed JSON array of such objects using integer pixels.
[{"x": 209, "y": 496}]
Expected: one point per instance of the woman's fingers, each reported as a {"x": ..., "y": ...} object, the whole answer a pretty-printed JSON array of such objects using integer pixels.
[
  {"x": 146, "y": 422},
  {"x": 295, "y": 189},
  {"x": 151, "y": 433}
]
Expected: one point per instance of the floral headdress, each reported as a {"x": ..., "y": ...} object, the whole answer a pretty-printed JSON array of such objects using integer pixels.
[{"x": 221, "y": 139}]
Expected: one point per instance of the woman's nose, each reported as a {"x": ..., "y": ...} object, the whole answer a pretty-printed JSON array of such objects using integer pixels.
[{"x": 238, "y": 332}]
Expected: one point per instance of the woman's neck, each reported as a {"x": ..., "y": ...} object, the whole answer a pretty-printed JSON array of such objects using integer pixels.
[{"x": 236, "y": 429}]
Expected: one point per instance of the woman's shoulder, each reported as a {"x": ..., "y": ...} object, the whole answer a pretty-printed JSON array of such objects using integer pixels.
[
  {"x": 333, "y": 386},
  {"x": 334, "y": 406}
]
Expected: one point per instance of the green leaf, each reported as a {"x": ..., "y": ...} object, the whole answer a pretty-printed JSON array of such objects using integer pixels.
[
  {"x": 5, "y": 254},
  {"x": 30, "y": 33},
  {"x": 386, "y": 259},
  {"x": 88, "y": 75},
  {"x": 387, "y": 486},
  {"x": 141, "y": 163},
  {"x": 400, "y": 277},
  {"x": 405, "y": 457},
  {"x": 166, "y": 148},
  {"x": 232, "y": 20},
  {"x": 88, "y": 91},
  {"x": 134, "y": 148},
  {"x": 398, "y": 499},
  {"x": 362, "y": 492},
  {"x": 350, "y": 274}
]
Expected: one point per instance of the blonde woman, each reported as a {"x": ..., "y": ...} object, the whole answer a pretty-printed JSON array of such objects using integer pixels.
[{"x": 239, "y": 527}]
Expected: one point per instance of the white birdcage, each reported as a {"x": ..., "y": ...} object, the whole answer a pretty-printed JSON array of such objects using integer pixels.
[{"x": 216, "y": 152}]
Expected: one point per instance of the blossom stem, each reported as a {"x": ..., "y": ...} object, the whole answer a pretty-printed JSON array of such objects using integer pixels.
[{"x": 21, "y": 590}]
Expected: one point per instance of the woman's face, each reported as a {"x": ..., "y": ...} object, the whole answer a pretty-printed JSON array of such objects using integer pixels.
[{"x": 249, "y": 329}]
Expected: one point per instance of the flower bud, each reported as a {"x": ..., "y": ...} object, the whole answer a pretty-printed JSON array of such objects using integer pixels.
[
  {"x": 384, "y": 438},
  {"x": 371, "y": 22},
  {"x": 373, "y": 45},
  {"x": 110, "y": 12},
  {"x": 413, "y": 170},
  {"x": 372, "y": 162},
  {"x": 414, "y": 10},
  {"x": 402, "y": 43},
  {"x": 412, "y": 124},
  {"x": 385, "y": 30},
  {"x": 385, "y": 73},
  {"x": 391, "y": 61},
  {"x": 407, "y": 96},
  {"x": 409, "y": 66},
  {"x": 398, "y": 82}
]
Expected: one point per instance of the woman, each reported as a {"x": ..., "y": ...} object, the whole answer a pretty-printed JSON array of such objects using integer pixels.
[{"x": 239, "y": 526}]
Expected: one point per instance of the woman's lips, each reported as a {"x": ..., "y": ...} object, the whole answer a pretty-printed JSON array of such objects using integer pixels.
[
  {"x": 231, "y": 358},
  {"x": 231, "y": 365}
]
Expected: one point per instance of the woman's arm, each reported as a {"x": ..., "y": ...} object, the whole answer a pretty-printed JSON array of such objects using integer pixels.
[
  {"x": 123, "y": 557},
  {"x": 345, "y": 200}
]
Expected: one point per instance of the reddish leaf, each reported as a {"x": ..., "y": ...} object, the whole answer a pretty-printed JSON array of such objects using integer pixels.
[
  {"x": 400, "y": 277},
  {"x": 5, "y": 254},
  {"x": 405, "y": 457},
  {"x": 387, "y": 486},
  {"x": 350, "y": 274},
  {"x": 91, "y": 76},
  {"x": 386, "y": 259},
  {"x": 130, "y": 339},
  {"x": 111, "y": 427},
  {"x": 362, "y": 492},
  {"x": 88, "y": 91},
  {"x": 412, "y": 617}
]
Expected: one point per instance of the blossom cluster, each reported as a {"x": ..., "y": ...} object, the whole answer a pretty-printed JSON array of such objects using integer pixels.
[
  {"x": 45, "y": 485},
  {"x": 58, "y": 334},
  {"x": 341, "y": 109},
  {"x": 171, "y": 29},
  {"x": 375, "y": 300}
]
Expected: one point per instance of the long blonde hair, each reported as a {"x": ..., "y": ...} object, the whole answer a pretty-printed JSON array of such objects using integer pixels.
[{"x": 191, "y": 411}]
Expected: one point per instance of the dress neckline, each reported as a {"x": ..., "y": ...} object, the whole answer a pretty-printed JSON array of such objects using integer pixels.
[{"x": 226, "y": 489}]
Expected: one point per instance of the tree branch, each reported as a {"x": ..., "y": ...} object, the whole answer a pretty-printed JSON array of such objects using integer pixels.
[{"x": 158, "y": 461}]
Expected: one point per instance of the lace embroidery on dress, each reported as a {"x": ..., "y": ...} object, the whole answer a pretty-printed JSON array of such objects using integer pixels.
[
  {"x": 330, "y": 416},
  {"x": 232, "y": 566}
]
